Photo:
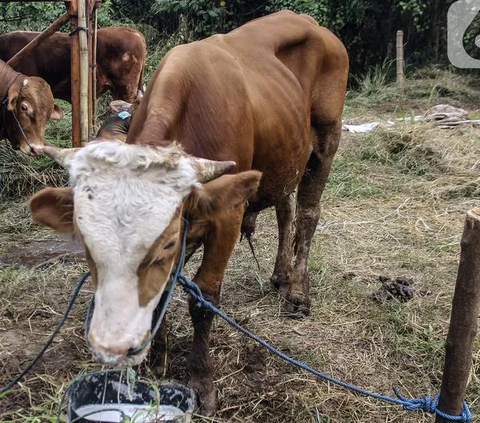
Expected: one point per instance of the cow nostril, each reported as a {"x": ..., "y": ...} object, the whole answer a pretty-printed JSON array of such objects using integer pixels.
[{"x": 142, "y": 346}]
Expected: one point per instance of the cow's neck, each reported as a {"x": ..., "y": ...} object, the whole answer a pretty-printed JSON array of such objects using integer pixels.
[{"x": 7, "y": 78}]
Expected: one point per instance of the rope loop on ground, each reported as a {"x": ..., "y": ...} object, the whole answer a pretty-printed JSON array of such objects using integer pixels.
[
  {"x": 430, "y": 405},
  {"x": 425, "y": 404}
]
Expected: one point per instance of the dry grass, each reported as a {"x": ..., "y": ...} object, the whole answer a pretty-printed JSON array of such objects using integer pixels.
[
  {"x": 21, "y": 175},
  {"x": 394, "y": 206}
]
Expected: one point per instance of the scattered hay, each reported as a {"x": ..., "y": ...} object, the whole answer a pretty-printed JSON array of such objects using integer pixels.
[
  {"x": 21, "y": 176},
  {"x": 404, "y": 147}
]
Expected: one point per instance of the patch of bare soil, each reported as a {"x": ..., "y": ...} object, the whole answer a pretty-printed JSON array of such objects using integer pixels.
[
  {"x": 39, "y": 253},
  {"x": 19, "y": 345}
]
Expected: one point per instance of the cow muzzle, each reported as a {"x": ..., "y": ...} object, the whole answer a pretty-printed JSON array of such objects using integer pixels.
[
  {"x": 118, "y": 360},
  {"x": 118, "y": 356},
  {"x": 30, "y": 149}
]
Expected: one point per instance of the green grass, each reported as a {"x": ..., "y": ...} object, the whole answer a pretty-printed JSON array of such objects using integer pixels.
[
  {"x": 347, "y": 180},
  {"x": 377, "y": 91}
]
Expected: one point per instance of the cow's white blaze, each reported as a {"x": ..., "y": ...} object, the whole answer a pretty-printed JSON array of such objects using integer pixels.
[{"x": 125, "y": 196}]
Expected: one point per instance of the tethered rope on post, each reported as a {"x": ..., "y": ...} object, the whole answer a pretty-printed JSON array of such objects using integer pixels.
[{"x": 425, "y": 404}]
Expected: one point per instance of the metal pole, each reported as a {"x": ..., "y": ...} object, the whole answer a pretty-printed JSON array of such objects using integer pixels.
[
  {"x": 400, "y": 74},
  {"x": 463, "y": 322},
  {"x": 54, "y": 27}
]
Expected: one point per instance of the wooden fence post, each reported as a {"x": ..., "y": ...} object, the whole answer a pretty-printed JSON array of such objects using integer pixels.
[
  {"x": 75, "y": 77},
  {"x": 84, "y": 71},
  {"x": 463, "y": 322},
  {"x": 400, "y": 74},
  {"x": 92, "y": 86}
]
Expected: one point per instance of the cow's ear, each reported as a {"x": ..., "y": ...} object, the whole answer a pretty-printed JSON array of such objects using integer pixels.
[
  {"x": 222, "y": 194},
  {"x": 53, "y": 207},
  {"x": 13, "y": 92},
  {"x": 57, "y": 113},
  {"x": 120, "y": 106}
]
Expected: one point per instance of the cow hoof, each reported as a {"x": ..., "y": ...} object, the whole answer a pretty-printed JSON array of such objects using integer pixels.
[
  {"x": 207, "y": 398},
  {"x": 295, "y": 304},
  {"x": 208, "y": 404}
]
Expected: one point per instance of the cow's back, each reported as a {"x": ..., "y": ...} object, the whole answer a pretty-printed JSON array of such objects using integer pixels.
[
  {"x": 288, "y": 61},
  {"x": 248, "y": 96}
]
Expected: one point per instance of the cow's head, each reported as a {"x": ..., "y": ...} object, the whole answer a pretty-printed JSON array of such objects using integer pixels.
[
  {"x": 126, "y": 204},
  {"x": 121, "y": 76},
  {"x": 29, "y": 105}
]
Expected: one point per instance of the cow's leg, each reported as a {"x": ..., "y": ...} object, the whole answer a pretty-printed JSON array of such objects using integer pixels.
[
  {"x": 285, "y": 210},
  {"x": 325, "y": 138},
  {"x": 217, "y": 250},
  {"x": 158, "y": 352}
]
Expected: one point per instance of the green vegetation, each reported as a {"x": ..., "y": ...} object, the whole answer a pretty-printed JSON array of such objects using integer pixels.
[{"x": 367, "y": 27}]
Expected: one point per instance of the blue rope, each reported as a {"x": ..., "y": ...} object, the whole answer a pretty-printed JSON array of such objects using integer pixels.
[{"x": 426, "y": 404}]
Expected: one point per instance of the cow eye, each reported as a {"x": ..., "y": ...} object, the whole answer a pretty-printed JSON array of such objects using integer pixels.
[
  {"x": 170, "y": 245},
  {"x": 23, "y": 107}
]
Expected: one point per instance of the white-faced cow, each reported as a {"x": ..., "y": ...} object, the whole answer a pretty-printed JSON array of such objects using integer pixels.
[
  {"x": 26, "y": 104},
  {"x": 268, "y": 97}
]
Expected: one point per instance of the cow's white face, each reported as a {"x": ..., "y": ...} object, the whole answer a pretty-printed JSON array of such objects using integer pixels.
[
  {"x": 125, "y": 198},
  {"x": 126, "y": 205}
]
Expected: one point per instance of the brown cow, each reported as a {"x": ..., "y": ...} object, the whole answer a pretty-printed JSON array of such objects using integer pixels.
[
  {"x": 26, "y": 103},
  {"x": 268, "y": 96},
  {"x": 121, "y": 54}
]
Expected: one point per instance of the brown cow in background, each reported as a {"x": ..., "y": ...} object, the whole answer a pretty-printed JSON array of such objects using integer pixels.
[
  {"x": 121, "y": 54},
  {"x": 26, "y": 104}
]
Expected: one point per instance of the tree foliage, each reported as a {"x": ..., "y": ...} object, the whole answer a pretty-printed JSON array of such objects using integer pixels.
[
  {"x": 367, "y": 27},
  {"x": 35, "y": 16}
]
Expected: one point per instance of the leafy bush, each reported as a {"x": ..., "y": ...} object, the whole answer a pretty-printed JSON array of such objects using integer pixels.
[
  {"x": 35, "y": 16},
  {"x": 317, "y": 9},
  {"x": 367, "y": 27}
]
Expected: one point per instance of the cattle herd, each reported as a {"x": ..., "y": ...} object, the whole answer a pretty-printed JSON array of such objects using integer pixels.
[{"x": 227, "y": 127}]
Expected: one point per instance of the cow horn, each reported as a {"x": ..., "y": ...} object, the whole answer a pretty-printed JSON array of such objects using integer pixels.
[
  {"x": 208, "y": 170},
  {"x": 62, "y": 156}
]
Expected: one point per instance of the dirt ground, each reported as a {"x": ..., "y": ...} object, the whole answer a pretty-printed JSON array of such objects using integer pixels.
[{"x": 394, "y": 208}]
